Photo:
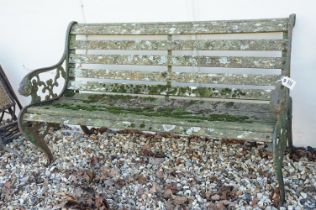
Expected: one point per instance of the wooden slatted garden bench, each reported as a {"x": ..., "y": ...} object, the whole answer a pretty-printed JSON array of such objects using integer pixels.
[{"x": 219, "y": 79}]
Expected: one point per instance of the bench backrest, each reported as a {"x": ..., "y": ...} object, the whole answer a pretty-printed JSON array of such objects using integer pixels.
[{"x": 237, "y": 59}]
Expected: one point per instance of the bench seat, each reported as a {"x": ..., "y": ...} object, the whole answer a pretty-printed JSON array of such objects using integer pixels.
[{"x": 144, "y": 113}]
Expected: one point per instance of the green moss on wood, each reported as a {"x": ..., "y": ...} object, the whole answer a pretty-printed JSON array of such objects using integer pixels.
[
  {"x": 97, "y": 98},
  {"x": 142, "y": 125},
  {"x": 205, "y": 92},
  {"x": 69, "y": 93},
  {"x": 225, "y": 91},
  {"x": 178, "y": 113},
  {"x": 94, "y": 98}
]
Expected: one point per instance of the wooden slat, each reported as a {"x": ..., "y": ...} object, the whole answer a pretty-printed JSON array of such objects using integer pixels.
[
  {"x": 215, "y": 133},
  {"x": 118, "y": 74},
  {"x": 203, "y": 27},
  {"x": 178, "y": 44},
  {"x": 272, "y": 45},
  {"x": 128, "y": 115},
  {"x": 229, "y": 61},
  {"x": 215, "y": 92},
  {"x": 202, "y": 61},
  {"x": 189, "y": 91},
  {"x": 149, "y": 112},
  {"x": 229, "y": 79},
  {"x": 121, "y": 44},
  {"x": 99, "y": 87},
  {"x": 162, "y": 105},
  {"x": 119, "y": 59},
  {"x": 190, "y": 77}
]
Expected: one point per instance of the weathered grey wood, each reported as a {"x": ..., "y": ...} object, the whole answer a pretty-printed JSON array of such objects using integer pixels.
[
  {"x": 121, "y": 114},
  {"x": 178, "y": 44},
  {"x": 119, "y": 74},
  {"x": 229, "y": 79},
  {"x": 154, "y": 127},
  {"x": 221, "y": 110},
  {"x": 162, "y": 60},
  {"x": 212, "y": 92},
  {"x": 99, "y": 87},
  {"x": 202, "y": 27},
  {"x": 287, "y": 51},
  {"x": 189, "y": 91},
  {"x": 245, "y": 105},
  {"x": 229, "y": 61},
  {"x": 189, "y": 77},
  {"x": 169, "y": 66},
  {"x": 119, "y": 59}
]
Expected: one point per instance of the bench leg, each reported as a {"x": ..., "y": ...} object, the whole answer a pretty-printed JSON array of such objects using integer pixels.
[
  {"x": 289, "y": 127},
  {"x": 31, "y": 132},
  {"x": 279, "y": 143},
  {"x": 86, "y": 130}
]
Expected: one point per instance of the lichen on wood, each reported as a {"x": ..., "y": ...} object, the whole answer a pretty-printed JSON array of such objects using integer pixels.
[
  {"x": 201, "y": 27},
  {"x": 179, "y": 44}
]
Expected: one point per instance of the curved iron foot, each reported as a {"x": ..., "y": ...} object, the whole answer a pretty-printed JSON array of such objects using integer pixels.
[
  {"x": 31, "y": 132},
  {"x": 86, "y": 130}
]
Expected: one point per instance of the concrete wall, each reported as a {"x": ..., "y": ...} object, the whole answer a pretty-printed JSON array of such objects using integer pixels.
[{"x": 32, "y": 36}]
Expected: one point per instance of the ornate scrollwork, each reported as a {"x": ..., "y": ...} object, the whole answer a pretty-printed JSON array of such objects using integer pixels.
[{"x": 31, "y": 84}]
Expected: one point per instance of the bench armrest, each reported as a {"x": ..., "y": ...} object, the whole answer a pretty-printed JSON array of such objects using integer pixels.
[
  {"x": 280, "y": 100},
  {"x": 32, "y": 83}
]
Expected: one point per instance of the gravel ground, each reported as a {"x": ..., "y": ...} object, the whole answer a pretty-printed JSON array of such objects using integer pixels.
[{"x": 133, "y": 171}]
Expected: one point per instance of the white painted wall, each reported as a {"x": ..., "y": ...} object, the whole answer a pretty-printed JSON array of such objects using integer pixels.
[{"x": 32, "y": 36}]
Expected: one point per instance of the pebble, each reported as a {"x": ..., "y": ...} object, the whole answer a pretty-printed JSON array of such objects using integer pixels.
[
  {"x": 302, "y": 201},
  {"x": 291, "y": 170},
  {"x": 178, "y": 200},
  {"x": 215, "y": 197},
  {"x": 167, "y": 193},
  {"x": 199, "y": 199},
  {"x": 247, "y": 197},
  {"x": 187, "y": 193},
  {"x": 111, "y": 165},
  {"x": 259, "y": 195},
  {"x": 303, "y": 194}
]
